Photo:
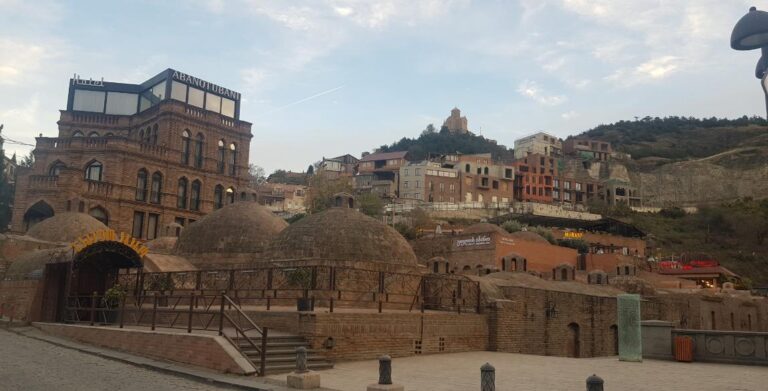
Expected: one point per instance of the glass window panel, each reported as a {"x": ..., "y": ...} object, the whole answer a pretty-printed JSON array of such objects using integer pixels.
[
  {"x": 159, "y": 90},
  {"x": 179, "y": 91},
  {"x": 228, "y": 107},
  {"x": 212, "y": 102},
  {"x": 152, "y": 226},
  {"x": 138, "y": 224},
  {"x": 144, "y": 104},
  {"x": 120, "y": 103},
  {"x": 89, "y": 101},
  {"x": 196, "y": 97}
]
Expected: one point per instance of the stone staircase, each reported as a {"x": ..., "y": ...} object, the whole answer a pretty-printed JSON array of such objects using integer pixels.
[{"x": 281, "y": 353}]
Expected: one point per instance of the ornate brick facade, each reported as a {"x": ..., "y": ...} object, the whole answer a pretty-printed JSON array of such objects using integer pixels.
[{"x": 150, "y": 163}]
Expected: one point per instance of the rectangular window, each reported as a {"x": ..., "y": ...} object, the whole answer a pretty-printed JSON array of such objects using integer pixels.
[
  {"x": 442, "y": 187},
  {"x": 495, "y": 185},
  {"x": 228, "y": 107},
  {"x": 418, "y": 172},
  {"x": 418, "y": 184},
  {"x": 138, "y": 225},
  {"x": 152, "y": 226},
  {"x": 196, "y": 97},
  {"x": 405, "y": 185},
  {"x": 120, "y": 103},
  {"x": 92, "y": 101},
  {"x": 406, "y": 172},
  {"x": 566, "y": 185},
  {"x": 159, "y": 90},
  {"x": 578, "y": 186},
  {"x": 212, "y": 102},
  {"x": 178, "y": 91}
]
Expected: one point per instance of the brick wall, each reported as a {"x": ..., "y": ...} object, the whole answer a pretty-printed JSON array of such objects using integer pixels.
[
  {"x": 22, "y": 298},
  {"x": 206, "y": 351}
]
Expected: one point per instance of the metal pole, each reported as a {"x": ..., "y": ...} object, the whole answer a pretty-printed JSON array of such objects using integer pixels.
[
  {"x": 221, "y": 315},
  {"x": 93, "y": 308},
  {"x": 263, "y": 363},
  {"x": 154, "y": 311},
  {"x": 122, "y": 311},
  {"x": 191, "y": 308}
]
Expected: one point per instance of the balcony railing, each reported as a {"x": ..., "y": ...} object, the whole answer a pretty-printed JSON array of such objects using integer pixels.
[
  {"x": 99, "y": 188},
  {"x": 43, "y": 181}
]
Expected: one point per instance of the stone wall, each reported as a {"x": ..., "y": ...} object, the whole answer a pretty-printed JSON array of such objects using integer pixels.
[
  {"x": 206, "y": 351},
  {"x": 534, "y": 321},
  {"x": 362, "y": 336}
]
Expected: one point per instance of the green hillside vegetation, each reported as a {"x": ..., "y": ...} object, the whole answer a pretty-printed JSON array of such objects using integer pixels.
[
  {"x": 444, "y": 142},
  {"x": 736, "y": 234},
  {"x": 680, "y": 138}
]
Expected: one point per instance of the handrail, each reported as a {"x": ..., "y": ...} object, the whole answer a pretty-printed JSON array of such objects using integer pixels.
[{"x": 240, "y": 312}]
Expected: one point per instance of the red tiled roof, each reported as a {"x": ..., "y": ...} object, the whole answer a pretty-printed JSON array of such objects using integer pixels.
[{"x": 698, "y": 270}]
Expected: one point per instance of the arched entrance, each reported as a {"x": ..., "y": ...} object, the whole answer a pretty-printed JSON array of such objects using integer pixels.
[
  {"x": 573, "y": 346},
  {"x": 98, "y": 260},
  {"x": 37, "y": 213}
]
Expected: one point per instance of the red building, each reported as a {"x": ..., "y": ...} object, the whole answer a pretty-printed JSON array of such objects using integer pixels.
[{"x": 534, "y": 176}]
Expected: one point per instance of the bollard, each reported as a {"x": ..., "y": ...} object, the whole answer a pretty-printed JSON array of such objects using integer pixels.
[
  {"x": 385, "y": 369},
  {"x": 487, "y": 377},
  {"x": 301, "y": 359},
  {"x": 594, "y": 383}
]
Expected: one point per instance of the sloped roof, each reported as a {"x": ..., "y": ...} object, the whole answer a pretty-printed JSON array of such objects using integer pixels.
[{"x": 384, "y": 156}]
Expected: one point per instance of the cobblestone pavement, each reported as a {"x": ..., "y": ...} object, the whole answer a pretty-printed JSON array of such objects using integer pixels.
[
  {"x": 461, "y": 372},
  {"x": 28, "y": 364}
]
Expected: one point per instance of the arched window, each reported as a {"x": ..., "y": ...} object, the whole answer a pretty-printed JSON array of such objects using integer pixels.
[
  {"x": 185, "y": 147},
  {"x": 194, "y": 199},
  {"x": 243, "y": 196},
  {"x": 94, "y": 171},
  {"x": 93, "y": 134},
  {"x": 77, "y": 133},
  {"x": 230, "y": 195},
  {"x": 199, "y": 150},
  {"x": 141, "y": 185},
  {"x": 181, "y": 200},
  {"x": 233, "y": 159},
  {"x": 154, "y": 135},
  {"x": 220, "y": 164},
  {"x": 157, "y": 187},
  {"x": 55, "y": 168},
  {"x": 218, "y": 197},
  {"x": 100, "y": 214}
]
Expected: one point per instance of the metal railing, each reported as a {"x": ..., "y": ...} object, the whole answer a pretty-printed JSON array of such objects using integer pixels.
[
  {"x": 190, "y": 312},
  {"x": 325, "y": 286}
]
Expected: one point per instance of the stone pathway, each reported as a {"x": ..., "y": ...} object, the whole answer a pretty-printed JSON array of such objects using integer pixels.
[{"x": 514, "y": 372}]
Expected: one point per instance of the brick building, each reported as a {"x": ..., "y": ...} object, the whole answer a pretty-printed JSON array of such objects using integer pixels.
[
  {"x": 379, "y": 173},
  {"x": 139, "y": 157},
  {"x": 534, "y": 178},
  {"x": 483, "y": 180},
  {"x": 429, "y": 182}
]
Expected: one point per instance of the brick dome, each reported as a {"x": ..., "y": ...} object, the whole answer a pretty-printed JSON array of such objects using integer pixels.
[
  {"x": 242, "y": 227},
  {"x": 65, "y": 227},
  {"x": 30, "y": 265},
  {"x": 482, "y": 228},
  {"x": 342, "y": 234}
]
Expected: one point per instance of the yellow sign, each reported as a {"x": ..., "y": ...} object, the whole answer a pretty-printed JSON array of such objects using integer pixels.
[
  {"x": 108, "y": 235},
  {"x": 573, "y": 235}
]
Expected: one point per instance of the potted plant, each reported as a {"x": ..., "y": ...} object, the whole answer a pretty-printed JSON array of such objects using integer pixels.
[
  {"x": 301, "y": 278},
  {"x": 112, "y": 299}
]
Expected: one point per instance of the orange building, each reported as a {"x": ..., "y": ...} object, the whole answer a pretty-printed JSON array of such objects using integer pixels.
[{"x": 534, "y": 178}]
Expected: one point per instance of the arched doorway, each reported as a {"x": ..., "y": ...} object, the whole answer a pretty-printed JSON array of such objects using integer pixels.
[
  {"x": 37, "y": 213},
  {"x": 573, "y": 345},
  {"x": 99, "y": 259}
]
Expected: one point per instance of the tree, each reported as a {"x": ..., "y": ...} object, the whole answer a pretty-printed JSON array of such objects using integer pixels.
[
  {"x": 256, "y": 175},
  {"x": 512, "y": 226},
  {"x": 321, "y": 192},
  {"x": 6, "y": 197},
  {"x": 370, "y": 204},
  {"x": 311, "y": 170},
  {"x": 28, "y": 161}
]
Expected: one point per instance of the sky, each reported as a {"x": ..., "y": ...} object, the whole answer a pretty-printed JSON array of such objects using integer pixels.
[{"x": 322, "y": 78}]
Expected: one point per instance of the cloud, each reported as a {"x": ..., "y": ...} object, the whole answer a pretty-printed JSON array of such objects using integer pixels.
[
  {"x": 569, "y": 115},
  {"x": 651, "y": 70},
  {"x": 19, "y": 60},
  {"x": 531, "y": 89}
]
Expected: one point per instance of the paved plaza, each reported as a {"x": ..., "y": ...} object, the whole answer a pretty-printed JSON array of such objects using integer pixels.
[
  {"x": 32, "y": 365},
  {"x": 515, "y": 372}
]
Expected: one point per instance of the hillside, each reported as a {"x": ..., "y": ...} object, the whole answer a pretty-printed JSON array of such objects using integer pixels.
[
  {"x": 661, "y": 140},
  {"x": 444, "y": 142},
  {"x": 735, "y": 233}
]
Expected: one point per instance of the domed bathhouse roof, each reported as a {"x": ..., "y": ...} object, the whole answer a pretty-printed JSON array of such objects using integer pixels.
[
  {"x": 239, "y": 228},
  {"x": 65, "y": 227},
  {"x": 30, "y": 265},
  {"x": 529, "y": 236},
  {"x": 481, "y": 228},
  {"x": 342, "y": 234}
]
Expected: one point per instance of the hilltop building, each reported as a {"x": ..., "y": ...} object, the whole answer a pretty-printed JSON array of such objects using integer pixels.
[
  {"x": 538, "y": 143},
  {"x": 379, "y": 173},
  {"x": 455, "y": 123},
  {"x": 588, "y": 148},
  {"x": 139, "y": 157}
]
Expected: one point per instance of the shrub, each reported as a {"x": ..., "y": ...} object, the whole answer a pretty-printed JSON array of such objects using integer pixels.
[
  {"x": 672, "y": 213},
  {"x": 512, "y": 226}
]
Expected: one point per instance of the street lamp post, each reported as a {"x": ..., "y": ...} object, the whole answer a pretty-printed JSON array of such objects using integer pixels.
[{"x": 751, "y": 32}]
